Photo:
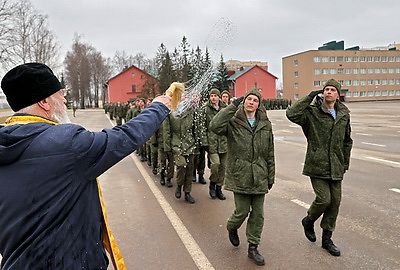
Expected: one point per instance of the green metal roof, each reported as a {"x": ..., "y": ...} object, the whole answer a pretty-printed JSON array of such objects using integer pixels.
[{"x": 239, "y": 73}]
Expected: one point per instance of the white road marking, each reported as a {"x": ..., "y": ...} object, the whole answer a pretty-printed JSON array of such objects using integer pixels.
[
  {"x": 191, "y": 245},
  {"x": 286, "y": 131},
  {"x": 374, "y": 144},
  {"x": 363, "y": 134},
  {"x": 112, "y": 123},
  {"x": 187, "y": 239},
  {"x": 302, "y": 204},
  {"x": 294, "y": 126},
  {"x": 395, "y": 190},
  {"x": 385, "y": 161}
]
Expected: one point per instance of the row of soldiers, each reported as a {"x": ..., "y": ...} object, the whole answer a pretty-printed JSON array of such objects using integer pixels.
[
  {"x": 180, "y": 145},
  {"x": 123, "y": 111}
]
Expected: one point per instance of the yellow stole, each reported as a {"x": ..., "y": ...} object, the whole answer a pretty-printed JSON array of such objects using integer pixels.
[{"x": 108, "y": 239}]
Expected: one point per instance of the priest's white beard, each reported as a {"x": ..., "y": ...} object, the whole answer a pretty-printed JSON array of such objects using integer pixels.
[{"x": 59, "y": 113}]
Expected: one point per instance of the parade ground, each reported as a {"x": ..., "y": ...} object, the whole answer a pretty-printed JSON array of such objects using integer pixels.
[{"x": 154, "y": 230}]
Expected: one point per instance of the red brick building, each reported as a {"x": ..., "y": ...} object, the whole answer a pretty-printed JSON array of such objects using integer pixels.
[
  {"x": 257, "y": 77},
  {"x": 127, "y": 85}
]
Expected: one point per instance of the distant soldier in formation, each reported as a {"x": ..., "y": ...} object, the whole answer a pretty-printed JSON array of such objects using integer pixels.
[
  {"x": 226, "y": 97},
  {"x": 111, "y": 111},
  {"x": 141, "y": 106},
  {"x": 200, "y": 150},
  {"x": 130, "y": 112},
  {"x": 119, "y": 113},
  {"x": 165, "y": 157},
  {"x": 216, "y": 144},
  {"x": 151, "y": 160}
]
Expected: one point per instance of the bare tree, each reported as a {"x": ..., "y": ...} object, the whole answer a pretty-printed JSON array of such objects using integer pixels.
[
  {"x": 32, "y": 40},
  {"x": 140, "y": 60},
  {"x": 44, "y": 48},
  {"x": 121, "y": 61},
  {"x": 78, "y": 72},
  {"x": 7, "y": 11},
  {"x": 101, "y": 72}
]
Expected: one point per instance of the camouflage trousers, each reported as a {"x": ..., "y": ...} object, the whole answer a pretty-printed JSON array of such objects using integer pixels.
[
  {"x": 218, "y": 167},
  {"x": 184, "y": 171},
  {"x": 166, "y": 162},
  {"x": 252, "y": 206},
  {"x": 118, "y": 120},
  {"x": 199, "y": 162},
  {"x": 328, "y": 194}
]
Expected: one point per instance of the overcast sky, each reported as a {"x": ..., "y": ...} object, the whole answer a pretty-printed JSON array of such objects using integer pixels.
[{"x": 257, "y": 30}]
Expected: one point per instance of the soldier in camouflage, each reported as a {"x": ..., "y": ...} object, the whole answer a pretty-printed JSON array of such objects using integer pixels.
[
  {"x": 326, "y": 125},
  {"x": 179, "y": 136},
  {"x": 250, "y": 171},
  {"x": 216, "y": 144}
]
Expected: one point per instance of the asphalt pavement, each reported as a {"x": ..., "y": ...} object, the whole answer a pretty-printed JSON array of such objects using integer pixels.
[{"x": 154, "y": 230}]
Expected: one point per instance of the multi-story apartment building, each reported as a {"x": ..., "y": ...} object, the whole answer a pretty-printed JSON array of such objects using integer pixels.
[
  {"x": 365, "y": 74},
  {"x": 239, "y": 65}
]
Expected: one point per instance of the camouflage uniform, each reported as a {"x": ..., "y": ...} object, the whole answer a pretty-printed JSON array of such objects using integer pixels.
[
  {"x": 328, "y": 154},
  {"x": 165, "y": 156},
  {"x": 200, "y": 151},
  {"x": 180, "y": 130},
  {"x": 119, "y": 113},
  {"x": 250, "y": 166},
  {"x": 217, "y": 149}
]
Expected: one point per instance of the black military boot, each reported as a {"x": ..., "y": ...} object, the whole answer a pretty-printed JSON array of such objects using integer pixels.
[
  {"x": 154, "y": 170},
  {"x": 169, "y": 183},
  {"x": 308, "y": 226},
  {"x": 218, "y": 192},
  {"x": 194, "y": 178},
  {"x": 328, "y": 244},
  {"x": 254, "y": 255},
  {"x": 189, "y": 198},
  {"x": 178, "y": 191},
  {"x": 234, "y": 237},
  {"x": 202, "y": 180},
  {"x": 212, "y": 192},
  {"x": 162, "y": 177}
]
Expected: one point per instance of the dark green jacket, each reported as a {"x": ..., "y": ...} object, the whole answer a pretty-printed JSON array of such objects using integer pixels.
[
  {"x": 179, "y": 134},
  {"x": 216, "y": 143},
  {"x": 119, "y": 111},
  {"x": 328, "y": 140},
  {"x": 130, "y": 113},
  {"x": 250, "y": 159}
]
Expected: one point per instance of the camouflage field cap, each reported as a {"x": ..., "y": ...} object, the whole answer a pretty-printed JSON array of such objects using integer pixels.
[
  {"x": 334, "y": 83},
  {"x": 215, "y": 91},
  {"x": 226, "y": 92},
  {"x": 255, "y": 92}
]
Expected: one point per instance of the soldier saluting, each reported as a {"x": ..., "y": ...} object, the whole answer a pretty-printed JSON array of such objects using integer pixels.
[{"x": 326, "y": 125}]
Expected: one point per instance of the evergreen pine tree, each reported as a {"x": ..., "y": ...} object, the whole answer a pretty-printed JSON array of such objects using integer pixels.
[
  {"x": 166, "y": 74},
  {"x": 222, "y": 76}
]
